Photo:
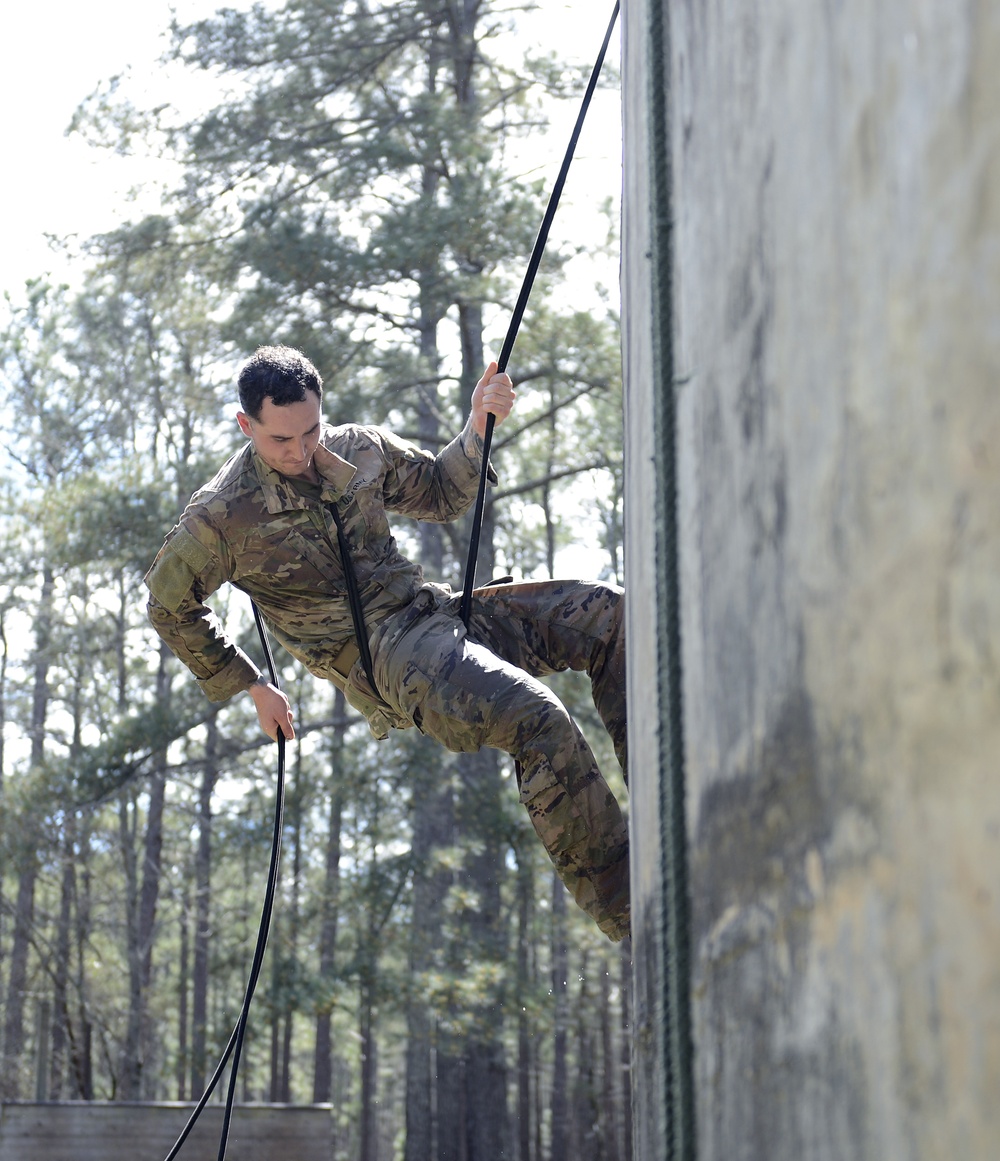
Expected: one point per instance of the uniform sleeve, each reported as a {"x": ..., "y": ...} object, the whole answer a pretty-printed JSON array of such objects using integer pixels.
[
  {"x": 187, "y": 570},
  {"x": 437, "y": 488}
]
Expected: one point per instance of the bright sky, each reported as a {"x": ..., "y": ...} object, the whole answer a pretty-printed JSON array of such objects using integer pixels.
[{"x": 56, "y": 52}]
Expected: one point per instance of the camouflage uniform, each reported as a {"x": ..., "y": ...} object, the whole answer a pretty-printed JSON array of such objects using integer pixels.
[{"x": 258, "y": 530}]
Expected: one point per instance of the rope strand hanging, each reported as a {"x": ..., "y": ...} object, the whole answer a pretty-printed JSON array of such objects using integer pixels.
[
  {"x": 465, "y": 608},
  {"x": 235, "y": 1046}
]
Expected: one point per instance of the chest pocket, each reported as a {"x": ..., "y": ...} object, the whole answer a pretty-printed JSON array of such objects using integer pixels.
[
  {"x": 292, "y": 556},
  {"x": 376, "y": 526},
  {"x": 364, "y": 497}
]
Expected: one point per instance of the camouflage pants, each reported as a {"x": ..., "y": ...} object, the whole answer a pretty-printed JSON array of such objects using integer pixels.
[{"x": 480, "y": 688}]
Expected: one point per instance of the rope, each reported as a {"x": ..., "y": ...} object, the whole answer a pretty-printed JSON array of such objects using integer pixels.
[
  {"x": 354, "y": 599},
  {"x": 465, "y": 608},
  {"x": 677, "y": 1044},
  {"x": 235, "y": 1046}
]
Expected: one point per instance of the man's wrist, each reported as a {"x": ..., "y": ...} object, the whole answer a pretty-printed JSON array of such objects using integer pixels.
[
  {"x": 259, "y": 681},
  {"x": 473, "y": 443}
]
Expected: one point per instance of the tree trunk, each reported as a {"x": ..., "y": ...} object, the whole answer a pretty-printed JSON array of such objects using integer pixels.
[
  {"x": 285, "y": 1092},
  {"x": 369, "y": 1071},
  {"x": 560, "y": 996},
  {"x": 470, "y": 324},
  {"x": 488, "y": 1130},
  {"x": 481, "y": 820},
  {"x": 525, "y": 892},
  {"x": 487, "y": 1119},
  {"x": 24, "y": 915},
  {"x": 3, "y": 803},
  {"x": 452, "y": 1139},
  {"x": 3, "y": 698},
  {"x": 610, "y": 1098},
  {"x": 274, "y": 1082},
  {"x": 142, "y": 885},
  {"x": 148, "y": 899},
  {"x": 586, "y": 1121},
  {"x": 27, "y": 855},
  {"x": 283, "y": 939},
  {"x": 149, "y": 896},
  {"x": 433, "y": 829},
  {"x": 63, "y": 952},
  {"x": 431, "y": 797},
  {"x": 330, "y": 906},
  {"x": 83, "y": 1061},
  {"x": 202, "y": 930},
  {"x": 626, "y": 1051},
  {"x": 291, "y": 951},
  {"x": 128, "y": 1088},
  {"x": 183, "y": 987}
]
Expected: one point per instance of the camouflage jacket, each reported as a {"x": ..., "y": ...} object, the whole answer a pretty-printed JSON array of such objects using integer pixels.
[{"x": 252, "y": 527}]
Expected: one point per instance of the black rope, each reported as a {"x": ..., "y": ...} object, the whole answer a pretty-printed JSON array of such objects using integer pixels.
[
  {"x": 677, "y": 1043},
  {"x": 354, "y": 598},
  {"x": 235, "y": 1046},
  {"x": 465, "y": 608}
]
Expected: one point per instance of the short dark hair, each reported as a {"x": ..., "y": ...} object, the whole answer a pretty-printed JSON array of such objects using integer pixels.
[{"x": 282, "y": 374}]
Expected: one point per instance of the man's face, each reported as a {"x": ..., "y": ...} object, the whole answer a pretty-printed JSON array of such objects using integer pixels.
[{"x": 285, "y": 437}]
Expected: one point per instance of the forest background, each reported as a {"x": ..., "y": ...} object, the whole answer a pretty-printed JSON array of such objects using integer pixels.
[{"x": 363, "y": 182}]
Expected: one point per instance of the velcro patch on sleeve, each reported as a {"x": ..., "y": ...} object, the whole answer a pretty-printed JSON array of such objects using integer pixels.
[
  {"x": 173, "y": 572},
  {"x": 190, "y": 550}
]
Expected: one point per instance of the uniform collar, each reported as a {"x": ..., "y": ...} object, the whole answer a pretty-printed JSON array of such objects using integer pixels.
[{"x": 280, "y": 494}]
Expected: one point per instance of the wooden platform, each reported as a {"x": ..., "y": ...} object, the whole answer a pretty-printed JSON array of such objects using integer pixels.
[{"x": 110, "y": 1131}]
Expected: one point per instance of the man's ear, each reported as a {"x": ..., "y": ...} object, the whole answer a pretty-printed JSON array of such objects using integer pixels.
[{"x": 244, "y": 421}]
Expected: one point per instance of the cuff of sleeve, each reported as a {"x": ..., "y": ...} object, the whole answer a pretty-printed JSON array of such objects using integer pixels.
[
  {"x": 471, "y": 445},
  {"x": 233, "y": 679}
]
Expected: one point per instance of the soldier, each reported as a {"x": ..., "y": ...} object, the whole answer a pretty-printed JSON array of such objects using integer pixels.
[{"x": 274, "y": 521}]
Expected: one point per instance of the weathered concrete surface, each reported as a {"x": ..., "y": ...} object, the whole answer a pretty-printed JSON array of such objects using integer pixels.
[
  {"x": 144, "y": 1131},
  {"x": 836, "y": 320},
  {"x": 644, "y": 545}
]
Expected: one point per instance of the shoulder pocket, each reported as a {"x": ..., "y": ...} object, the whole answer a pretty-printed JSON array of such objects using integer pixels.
[
  {"x": 177, "y": 564},
  {"x": 190, "y": 550}
]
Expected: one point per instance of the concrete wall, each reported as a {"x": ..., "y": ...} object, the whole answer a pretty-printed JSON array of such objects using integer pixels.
[{"x": 834, "y": 344}]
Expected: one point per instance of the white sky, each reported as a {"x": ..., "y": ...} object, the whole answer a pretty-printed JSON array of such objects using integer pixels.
[{"x": 56, "y": 52}]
